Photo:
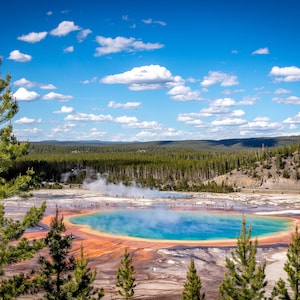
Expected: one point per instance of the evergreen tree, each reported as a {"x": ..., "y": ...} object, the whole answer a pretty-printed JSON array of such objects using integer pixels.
[
  {"x": 193, "y": 285},
  {"x": 81, "y": 287},
  {"x": 245, "y": 278},
  {"x": 292, "y": 268},
  {"x": 62, "y": 277},
  {"x": 10, "y": 148},
  {"x": 55, "y": 271},
  {"x": 13, "y": 246},
  {"x": 292, "y": 265},
  {"x": 125, "y": 277}
]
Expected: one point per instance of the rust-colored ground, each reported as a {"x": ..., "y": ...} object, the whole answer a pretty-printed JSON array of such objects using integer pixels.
[{"x": 160, "y": 266}]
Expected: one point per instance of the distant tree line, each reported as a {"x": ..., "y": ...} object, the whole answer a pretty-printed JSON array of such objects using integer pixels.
[{"x": 161, "y": 168}]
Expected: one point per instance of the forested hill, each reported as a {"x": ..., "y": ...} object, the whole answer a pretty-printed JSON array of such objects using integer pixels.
[
  {"x": 234, "y": 144},
  {"x": 223, "y": 165}
]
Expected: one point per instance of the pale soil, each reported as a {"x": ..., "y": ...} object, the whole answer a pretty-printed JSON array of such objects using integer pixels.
[{"x": 161, "y": 266}]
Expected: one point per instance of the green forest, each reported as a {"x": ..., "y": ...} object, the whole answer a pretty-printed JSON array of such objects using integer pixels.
[{"x": 168, "y": 166}]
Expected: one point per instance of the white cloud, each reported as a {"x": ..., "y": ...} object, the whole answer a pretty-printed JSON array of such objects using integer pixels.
[
  {"x": 288, "y": 100},
  {"x": 64, "y": 28},
  {"x": 224, "y": 102},
  {"x": 261, "y": 51},
  {"x": 184, "y": 93},
  {"x": 16, "y": 55},
  {"x": 148, "y": 125},
  {"x": 261, "y": 124},
  {"x": 231, "y": 92},
  {"x": 125, "y": 119},
  {"x": 27, "y": 121},
  {"x": 228, "y": 122},
  {"x": 282, "y": 91},
  {"x": 238, "y": 113},
  {"x": 248, "y": 100},
  {"x": 293, "y": 120},
  {"x": 144, "y": 78},
  {"x": 81, "y": 36},
  {"x": 57, "y": 96},
  {"x": 23, "y": 94},
  {"x": 95, "y": 133},
  {"x": 127, "y": 105},
  {"x": 33, "y": 37},
  {"x": 88, "y": 117},
  {"x": 151, "y": 21},
  {"x": 119, "y": 44},
  {"x": 69, "y": 49},
  {"x": 215, "y": 77},
  {"x": 64, "y": 110},
  {"x": 48, "y": 86},
  {"x": 285, "y": 74},
  {"x": 88, "y": 81},
  {"x": 24, "y": 83}
]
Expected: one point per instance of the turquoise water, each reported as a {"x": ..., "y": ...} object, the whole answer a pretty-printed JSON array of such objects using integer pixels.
[{"x": 178, "y": 225}]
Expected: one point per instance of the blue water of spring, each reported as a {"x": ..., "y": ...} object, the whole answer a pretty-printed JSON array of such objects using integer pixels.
[{"x": 166, "y": 224}]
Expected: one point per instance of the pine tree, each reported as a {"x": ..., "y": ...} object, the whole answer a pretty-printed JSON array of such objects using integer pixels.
[
  {"x": 55, "y": 271},
  {"x": 81, "y": 287},
  {"x": 125, "y": 277},
  {"x": 193, "y": 285},
  {"x": 63, "y": 277},
  {"x": 292, "y": 265},
  {"x": 292, "y": 268},
  {"x": 13, "y": 246},
  {"x": 10, "y": 148},
  {"x": 245, "y": 278}
]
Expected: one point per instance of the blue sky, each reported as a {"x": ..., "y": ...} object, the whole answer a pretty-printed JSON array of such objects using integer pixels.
[{"x": 152, "y": 70}]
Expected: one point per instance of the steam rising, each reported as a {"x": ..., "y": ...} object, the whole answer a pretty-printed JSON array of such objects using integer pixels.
[{"x": 121, "y": 190}]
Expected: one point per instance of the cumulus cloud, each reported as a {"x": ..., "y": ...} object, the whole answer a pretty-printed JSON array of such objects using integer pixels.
[
  {"x": 81, "y": 36},
  {"x": 288, "y": 100},
  {"x": 247, "y": 100},
  {"x": 285, "y": 74},
  {"x": 27, "y": 121},
  {"x": 224, "y": 102},
  {"x": 151, "y": 21},
  {"x": 57, "y": 96},
  {"x": 16, "y": 55},
  {"x": 261, "y": 124},
  {"x": 24, "y": 83},
  {"x": 146, "y": 125},
  {"x": 22, "y": 94},
  {"x": 64, "y": 28},
  {"x": 88, "y": 81},
  {"x": 47, "y": 86},
  {"x": 95, "y": 133},
  {"x": 222, "y": 78},
  {"x": 119, "y": 44},
  {"x": 144, "y": 78},
  {"x": 228, "y": 122},
  {"x": 281, "y": 91},
  {"x": 88, "y": 117},
  {"x": 293, "y": 120},
  {"x": 69, "y": 49},
  {"x": 127, "y": 105},
  {"x": 125, "y": 119},
  {"x": 261, "y": 51},
  {"x": 64, "y": 110},
  {"x": 33, "y": 37},
  {"x": 184, "y": 93}
]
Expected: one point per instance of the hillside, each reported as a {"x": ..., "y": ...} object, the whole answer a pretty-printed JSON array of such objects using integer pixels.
[
  {"x": 229, "y": 144},
  {"x": 276, "y": 173}
]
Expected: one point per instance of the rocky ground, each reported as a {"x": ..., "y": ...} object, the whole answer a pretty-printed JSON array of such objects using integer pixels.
[{"x": 161, "y": 266}]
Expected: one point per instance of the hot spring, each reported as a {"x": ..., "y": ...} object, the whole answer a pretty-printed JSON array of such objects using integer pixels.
[{"x": 165, "y": 224}]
